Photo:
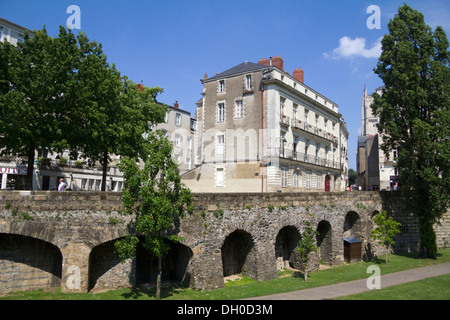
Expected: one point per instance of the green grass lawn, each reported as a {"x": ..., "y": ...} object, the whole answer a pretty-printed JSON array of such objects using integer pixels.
[
  {"x": 287, "y": 281},
  {"x": 436, "y": 288}
]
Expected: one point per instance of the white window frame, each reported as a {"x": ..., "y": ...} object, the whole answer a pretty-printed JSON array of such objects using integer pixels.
[
  {"x": 177, "y": 141},
  {"x": 221, "y": 86},
  {"x": 248, "y": 82},
  {"x": 319, "y": 181},
  {"x": 220, "y": 145},
  {"x": 189, "y": 143},
  {"x": 221, "y": 112},
  {"x": 220, "y": 177},
  {"x": 295, "y": 179},
  {"x": 178, "y": 119},
  {"x": 284, "y": 177},
  {"x": 308, "y": 180},
  {"x": 239, "y": 109}
]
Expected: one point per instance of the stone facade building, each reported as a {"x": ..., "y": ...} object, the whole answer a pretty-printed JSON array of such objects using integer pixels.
[
  {"x": 260, "y": 129},
  {"x": 376, "y": 170}
]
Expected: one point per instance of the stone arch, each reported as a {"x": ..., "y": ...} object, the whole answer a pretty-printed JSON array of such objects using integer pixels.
[
  {"x": 38, "y": 262},
  {"x": 324, "y": 242},
  {"x": 285, "y": 244},
  {"x": 353, "y": 226},
  {"x": 238, "y": 254},
  {"x": 106, "y": 269},
  {"x": 175, "y": 265}
]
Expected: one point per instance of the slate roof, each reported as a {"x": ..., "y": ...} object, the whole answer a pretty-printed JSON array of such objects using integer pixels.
[{"x": 244, "y": 67}]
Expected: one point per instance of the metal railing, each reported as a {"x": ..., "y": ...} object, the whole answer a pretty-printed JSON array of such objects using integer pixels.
[
  {"x": 306, "y": 158},
  {"x": 298, "y": 124}
]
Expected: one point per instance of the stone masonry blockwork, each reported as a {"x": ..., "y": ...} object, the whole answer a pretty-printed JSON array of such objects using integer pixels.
[{"x": 66, "y": 240}]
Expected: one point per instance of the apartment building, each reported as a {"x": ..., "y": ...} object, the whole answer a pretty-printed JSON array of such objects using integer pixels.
[
  {"x": 11, "y": 32},
  {"x": 179, "y": 127},
  {"x": 260, "y": 129},
  {"x": 376, "y": 170}
]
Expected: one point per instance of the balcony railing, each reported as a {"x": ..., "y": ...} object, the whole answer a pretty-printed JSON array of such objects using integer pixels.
[
  {"x": 298, "y": 124},
  {"x": 285, "y": 153}
]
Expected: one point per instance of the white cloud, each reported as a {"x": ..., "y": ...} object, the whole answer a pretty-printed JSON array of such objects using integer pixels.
[{"x": 350, "y": 48}]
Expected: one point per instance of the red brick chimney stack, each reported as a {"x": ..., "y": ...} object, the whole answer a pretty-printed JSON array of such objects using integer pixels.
[
  {"x": 176, "y": 105},
  {"x": 299, "y": 75},
  {"x": 272, "y": 61}
]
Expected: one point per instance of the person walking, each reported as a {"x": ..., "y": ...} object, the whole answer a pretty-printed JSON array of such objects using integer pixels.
[{"x": 62, "y": 185}]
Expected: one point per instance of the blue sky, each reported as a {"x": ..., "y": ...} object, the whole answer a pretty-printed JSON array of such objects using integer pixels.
[{"x": 173, "y": 43}]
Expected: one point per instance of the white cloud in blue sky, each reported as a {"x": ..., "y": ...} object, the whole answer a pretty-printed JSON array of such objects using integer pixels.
[{"x": 353, "y": 48}]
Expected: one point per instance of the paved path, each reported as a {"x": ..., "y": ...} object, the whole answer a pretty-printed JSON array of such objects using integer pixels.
[{"x": 358, "y": 286}]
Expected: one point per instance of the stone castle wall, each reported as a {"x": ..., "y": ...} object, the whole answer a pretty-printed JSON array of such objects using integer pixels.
[{"x": 254, "y": 233}]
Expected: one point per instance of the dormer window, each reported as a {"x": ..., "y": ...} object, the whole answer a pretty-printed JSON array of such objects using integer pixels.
[
  {"x": 221, "y": 87},
  {"x": 248, "y": 82}
]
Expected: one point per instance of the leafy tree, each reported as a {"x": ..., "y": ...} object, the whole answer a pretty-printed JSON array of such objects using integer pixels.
[
  {"x": 352, "y": 176},
  {"x": 58, "y": 93},
  {"x": 387, "y": 229},
  {"x": 305, "y": 246},
  {"x": 414, "y": 115},
  {"x": 156, "y": 198},
  {"x": 32, "y": 104}
]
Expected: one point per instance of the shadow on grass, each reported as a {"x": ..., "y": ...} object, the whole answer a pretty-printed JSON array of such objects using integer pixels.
[{"x": 149, "y": 292}]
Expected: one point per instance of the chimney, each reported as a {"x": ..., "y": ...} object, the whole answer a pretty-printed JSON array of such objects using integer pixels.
[
  {"x": 299, "y": 75},
  {"x": 205, "y": 76},
  {"x": 276, "y": 62},
  {"x": 176, "y": 105},
  {"x": 141, "y": 86}
]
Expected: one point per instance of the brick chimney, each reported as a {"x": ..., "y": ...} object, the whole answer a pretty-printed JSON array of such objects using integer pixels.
[
  {"x": 176, "y": 105},
  {"x": 299, "y": 75},
  {"x": 272, "y": 61}
]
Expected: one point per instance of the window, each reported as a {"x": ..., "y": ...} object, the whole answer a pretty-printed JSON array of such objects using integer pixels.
[
  {"x": 284, "y": 174},
  {"x": 221, "y": 88},
  {"x": 1, "y": 33},
  {"x": 166, "y": 117},
  {"x": 248, "y": 82},
  {"x": 238, "y": 109},
  {"x": 296, "y": 179},
  {"x": 308, "y": 180},
  {"x": 282, "y": 103},
  {"x": 189, "y": 143},
  {"x": 178, "y": 119},
  {"x": 177, "y": 140},
  {"x": 221, "y": 112},
  {"x": 188, "y": 163},
  {"x": 220, "y": 144},
  {"x": 219, "y": 177},
  {"x": 319, "y": 181},
  {"x": 20, "y": 37}
]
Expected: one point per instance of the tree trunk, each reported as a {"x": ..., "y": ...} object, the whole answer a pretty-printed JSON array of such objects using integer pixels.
[
  {"x": 306, "y": 275},
  {"x": 158, "y": 279},
  {"x": 30, "y": 167},
  {"x": 105, "y": 169}
]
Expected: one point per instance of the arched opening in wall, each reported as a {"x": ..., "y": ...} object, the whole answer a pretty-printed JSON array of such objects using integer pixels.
[
  {"x": 175, "y": 265},
  {"x": 106, "y": 269},
  {"x": 353, "y": 226},
  {"x": 28, "y": 263},
  {"x": 237, "y": 253},
  {"x": 324, "y": 242},
  {"x": 285, "y": 244}
]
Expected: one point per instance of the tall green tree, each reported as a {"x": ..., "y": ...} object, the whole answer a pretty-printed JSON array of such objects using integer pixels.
[
  {"x": 58, "y": 93},
  {"x": 156, "y": 198},
  {"x": 32, "y": 103},
  {"x": 414, "y": 115}
]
